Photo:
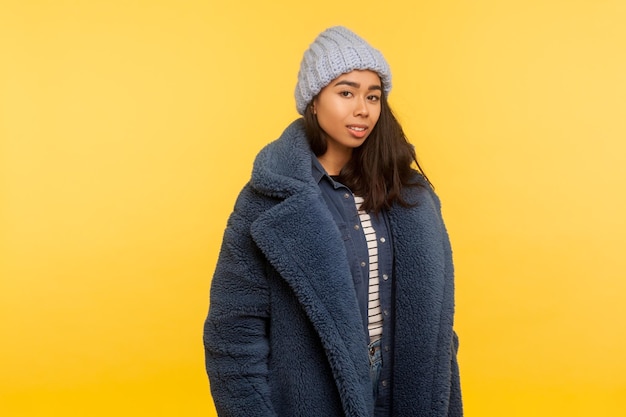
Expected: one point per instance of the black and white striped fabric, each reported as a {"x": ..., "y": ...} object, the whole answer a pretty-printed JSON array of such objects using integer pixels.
[{"x": 375, "y": 317}]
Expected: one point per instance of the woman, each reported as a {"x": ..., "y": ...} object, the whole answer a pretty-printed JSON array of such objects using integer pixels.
[{"x": 333, "y": 293}]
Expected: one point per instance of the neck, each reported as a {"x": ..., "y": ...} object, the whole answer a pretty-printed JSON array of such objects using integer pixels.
[
  {"x": 335, "y": 158},
  {"x": 333, "y": 164}
]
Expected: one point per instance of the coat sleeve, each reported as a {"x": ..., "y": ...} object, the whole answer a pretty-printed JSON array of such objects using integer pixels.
[
  {"x": 235, "y": 331},
  {"x": 455, "y": 404}
]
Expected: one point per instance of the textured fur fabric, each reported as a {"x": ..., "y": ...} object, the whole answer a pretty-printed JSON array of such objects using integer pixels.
[{"x": 284, "y": 336}]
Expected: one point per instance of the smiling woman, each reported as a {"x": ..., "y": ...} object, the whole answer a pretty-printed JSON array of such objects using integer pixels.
[{"x": 335, "y": 254}]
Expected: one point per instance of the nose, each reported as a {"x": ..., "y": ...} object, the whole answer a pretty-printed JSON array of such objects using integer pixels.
[{"x": 360, "y": 108}]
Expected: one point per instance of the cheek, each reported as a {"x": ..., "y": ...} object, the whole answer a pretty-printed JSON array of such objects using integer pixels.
[
  {"x": 330, "y": 112},
  {"x": 327, "y": 121},
  {"x": 330, "y": 109}
]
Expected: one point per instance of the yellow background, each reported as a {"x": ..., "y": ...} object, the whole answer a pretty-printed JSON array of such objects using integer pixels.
[{"x": 128, "y": 127}]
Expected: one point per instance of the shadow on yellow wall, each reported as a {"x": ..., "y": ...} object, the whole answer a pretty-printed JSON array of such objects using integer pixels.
[{"x": 127, "y": 129}]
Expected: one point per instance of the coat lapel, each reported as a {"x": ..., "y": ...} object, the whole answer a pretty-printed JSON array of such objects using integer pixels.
[
  {"x": 301, "y": 241},
  {"x": 299, "y": 238}
]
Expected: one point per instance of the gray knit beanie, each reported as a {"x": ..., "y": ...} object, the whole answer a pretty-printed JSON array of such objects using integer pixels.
[{"x": 336, "y": 51}]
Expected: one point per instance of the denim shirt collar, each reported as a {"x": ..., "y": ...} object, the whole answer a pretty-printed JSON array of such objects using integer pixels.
[{"x": 319, "y": 172}]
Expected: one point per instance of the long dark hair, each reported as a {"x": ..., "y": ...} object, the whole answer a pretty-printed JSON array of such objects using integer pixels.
[{"x": 378, "y": 169}]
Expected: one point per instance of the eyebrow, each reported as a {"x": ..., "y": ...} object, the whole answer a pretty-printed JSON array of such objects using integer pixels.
[{"x": 357, "y": 85}]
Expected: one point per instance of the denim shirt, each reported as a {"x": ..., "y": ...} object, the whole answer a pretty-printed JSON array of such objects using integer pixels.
[{"x": 340, "y": 202}]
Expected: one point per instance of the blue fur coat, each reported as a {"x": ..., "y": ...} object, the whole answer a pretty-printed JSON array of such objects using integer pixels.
[{"x": 284, "y": 335}]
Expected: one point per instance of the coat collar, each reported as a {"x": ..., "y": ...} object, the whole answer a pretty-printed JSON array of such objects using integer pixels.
[{"x": 283, "y": 167}]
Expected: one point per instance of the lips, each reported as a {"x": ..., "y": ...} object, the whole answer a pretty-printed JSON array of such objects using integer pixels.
[
  {"x": 358, "y": 128},
  {"x": 358, "y": 131}
]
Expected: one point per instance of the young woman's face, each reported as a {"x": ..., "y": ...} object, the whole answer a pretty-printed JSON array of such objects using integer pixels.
[{"x": 348, "y": 108}]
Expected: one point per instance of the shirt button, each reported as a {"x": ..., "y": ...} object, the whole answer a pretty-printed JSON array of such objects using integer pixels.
[
  {"x": 385, "y": 277},
  {"x": 346, "y": 195},
  {"x": 386, "y": 312},
  {"x": 363, "y": 264},
  {"x": 382, "y": 239},
  {"x": 386, "y": 348},
  {"x": 356, "y": 227},
  {"x": 384, "y": 382}
]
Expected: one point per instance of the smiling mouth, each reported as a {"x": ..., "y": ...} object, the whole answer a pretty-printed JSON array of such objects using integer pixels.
[{"x": 357, "y": 128}]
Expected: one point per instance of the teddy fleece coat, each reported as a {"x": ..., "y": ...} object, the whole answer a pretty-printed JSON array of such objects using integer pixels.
[{"x": 284, "y": 336}]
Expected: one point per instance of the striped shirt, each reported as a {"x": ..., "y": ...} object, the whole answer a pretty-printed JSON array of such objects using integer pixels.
[{"x": 374, "y": 312}]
